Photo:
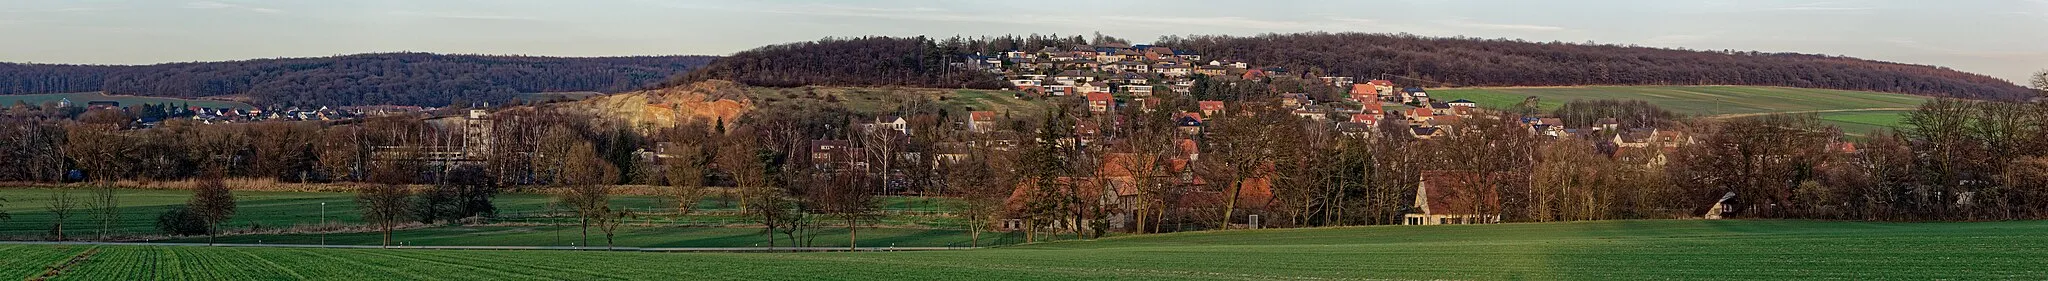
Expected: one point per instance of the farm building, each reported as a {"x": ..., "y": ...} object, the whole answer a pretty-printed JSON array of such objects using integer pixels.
[{"x": 1454, "y": 197}]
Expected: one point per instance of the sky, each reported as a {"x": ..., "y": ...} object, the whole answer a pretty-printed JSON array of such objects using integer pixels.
[{"x": 2001, "y": 38}]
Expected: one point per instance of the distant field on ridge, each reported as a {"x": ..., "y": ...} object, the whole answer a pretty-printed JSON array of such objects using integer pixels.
[{"x": 1856, "y": 112}]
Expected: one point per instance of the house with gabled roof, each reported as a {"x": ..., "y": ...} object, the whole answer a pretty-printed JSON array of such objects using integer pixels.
[
  {"x": 1372, "y": 107},
  {"x": 1414, "y": 95},
  {"x": 836, "y": 154},
  {"x": 1364, "y": 94},
  {"x": 1355, "y": 129},
  {"x": 1174, "y": 70},
  {"x": 1027, "y": 191},
  {"x": 1455, "y": 197},
  {"x": 1059, "y": 90},
  {"x": 1294, "y": 100},
  {"x": 1140, "y": 90},
  {"x": 1133, "y": 79},
  {"x": 1314, "y": 112},
  {"x": 1253, "y": 74},
  {"x": 887, "y": 122},
  {"x": 1427, "y": 132},
  {"x": 1188, "y": 123},
  {"x": 1366, "y": 118},
  {"x": 1100, "y": 102},
  {"x": 1421, "y": 114},
  {"x": 981, "y": 121},
  {"x": 1462, "y": 111},
  {"x": 1607, "y": 124},
  {"x": 1210, "y": 107},
  {"x": 1092, "y": 87}
]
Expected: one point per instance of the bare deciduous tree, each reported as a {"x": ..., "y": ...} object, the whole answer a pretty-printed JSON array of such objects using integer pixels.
[
  {"x": 105, "y": 207},
  {"x": 214, "y": 203},
  {"x": 609, "y": 221},
  {"x": 386, "y": 206},
  {"x": 846, "y": 196},
  {"x": 590, "y": 202},
  {"x": 60, "y": 207}
]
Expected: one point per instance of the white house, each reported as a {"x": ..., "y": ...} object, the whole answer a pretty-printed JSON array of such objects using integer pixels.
[{"x": 1136, "y": 90}]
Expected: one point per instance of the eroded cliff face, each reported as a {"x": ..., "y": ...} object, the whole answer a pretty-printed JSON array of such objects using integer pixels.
[{"x": 707, "y": 101}]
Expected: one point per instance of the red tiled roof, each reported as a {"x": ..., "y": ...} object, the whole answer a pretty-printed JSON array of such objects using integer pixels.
[
  {"x": 1458, "y": 192},
  {"x": 1357, "y": 89},
  {"x": 1255, "y": 193},
  {"x": 981, "y": 116},
  {"x": 1100, "y": 96},
  {"x": 1123, "y": 168},
  {"x": 1363, "y": 117},
  {"x": 1026, "y": 189},
  {"x": 1121, "y": 164}
]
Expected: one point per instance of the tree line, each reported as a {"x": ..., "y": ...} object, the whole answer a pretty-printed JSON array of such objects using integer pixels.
[
  {"x": 421, "y": 79},
  {"x": 798, "y": 167},
  {"x": 1465, "y": 61},
  {"x": 858, "y": 61}
]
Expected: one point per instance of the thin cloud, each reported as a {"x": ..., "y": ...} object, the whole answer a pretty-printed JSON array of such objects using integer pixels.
[
  {"x": 461, "y": 16},
  {"x": 947, "y": 15},
  {"x": 1823, "y": 7},
  {"x": 1216, "y": 22},
  {"x": 1503, "y": 26},
  {"x": 213, "y": 5},
  {"x": 1677, "y": 40},
  {"x": 910, "y": 13},
  {"x": 1344, "y": 20}
]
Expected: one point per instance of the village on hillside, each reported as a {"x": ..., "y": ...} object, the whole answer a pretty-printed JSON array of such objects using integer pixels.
[{"x": 1110, "y": 87}]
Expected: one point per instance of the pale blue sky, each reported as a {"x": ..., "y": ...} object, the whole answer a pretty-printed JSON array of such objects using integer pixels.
[{"x": 2001, "y": 38}]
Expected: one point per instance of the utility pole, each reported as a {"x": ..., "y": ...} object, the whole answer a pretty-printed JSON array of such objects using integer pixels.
[{"x": 323, "y": 223}]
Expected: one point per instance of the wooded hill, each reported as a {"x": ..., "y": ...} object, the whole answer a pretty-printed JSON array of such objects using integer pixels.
[
  {"x": 1465, "y": 61},
  {"x": 862, "y": 61},
  {"x": 386, "y": 78}
]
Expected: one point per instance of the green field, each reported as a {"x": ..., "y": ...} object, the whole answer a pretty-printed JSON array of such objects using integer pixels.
[
  {"x": 1610, "y": 250},
  {"x": 628, "y": 236},
  {"x": 81, "y": 98},
  {"x": 139, "y": 209},
  {"x": 1865, "y": 122},
  {"x": 1692, "y": 100},
  {"x": 1856, "y": 112}
]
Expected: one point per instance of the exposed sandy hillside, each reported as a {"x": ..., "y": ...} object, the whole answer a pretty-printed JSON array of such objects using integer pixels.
[{"x": 705, "y": 101}]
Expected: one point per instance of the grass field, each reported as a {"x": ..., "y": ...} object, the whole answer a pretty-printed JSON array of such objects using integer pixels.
[
  {"x": 1856, "y": 112},
  {"x": 1865, "y": 122},
  {"x": 139, "y": 208},
  {"x": 1611, "y": 250},
  {"x": 82, "y": 98},
  {"x": 629, "y": 236}
]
